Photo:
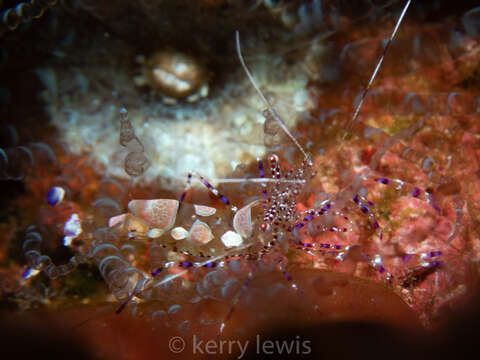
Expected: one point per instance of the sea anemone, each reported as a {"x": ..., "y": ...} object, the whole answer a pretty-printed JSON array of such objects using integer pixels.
[{"x": 368, "y": 215}]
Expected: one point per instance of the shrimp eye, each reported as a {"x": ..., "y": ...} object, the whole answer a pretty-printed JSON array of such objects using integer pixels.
[
  {"x": 265, "y": 227},
  {"x": 273, "y": 158}
]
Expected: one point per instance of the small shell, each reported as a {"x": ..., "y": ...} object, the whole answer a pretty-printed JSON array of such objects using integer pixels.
[
  {"x": 231, "y": 239},
  {"x": 200, "y": 233},
  {"x": 159, "y": 213},
  {"x": 175, "y": 74}
]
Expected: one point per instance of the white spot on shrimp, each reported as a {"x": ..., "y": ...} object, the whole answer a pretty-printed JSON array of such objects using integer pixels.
[
  {"x": 202, "y": 210},
  {"x": 154, "y": 233},
  {"x": 160, "y": 213},
  {"x": 119, "y": 219},
  {"x": 231, "y": 239},
  {"x": 179, "y": 233},
  {"x": 200, "y": 233},
  {"x": 242, "y": 221}
]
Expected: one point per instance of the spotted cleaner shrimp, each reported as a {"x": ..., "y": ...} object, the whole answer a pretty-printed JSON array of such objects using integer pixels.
[{"x": 211, "y": 242}]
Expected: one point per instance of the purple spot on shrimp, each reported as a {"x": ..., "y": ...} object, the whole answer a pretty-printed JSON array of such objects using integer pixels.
[
  {"x": 55, "y": 195},
  {"x": 182, "y": 197},
  {"x": 338, "y": 247},
  {"x": 435, "y": 264},
  {"x": 355, "y": 199},
  {"x": 156, "y": 271},
  {"x": 224, "y": 199},
  {"x": 210, "y": 265},
  {"x": 326, "y": 207},
  {"x": 287, "y": 276},
  {"x": 325, "y": 246},
  {"x": 206, "y": 183},
  {"x": 375, "y": 225},
  {"x": 26, "y": 273},
  {"x": 304, "y": 244},
  {"x": 186, "y": 264},
  {"x": 260, "y": 169},
  {"x": 371, "y": 203},
  {"x": 384, "y": 180},
  {"x": 299, "y": 225},
  {"x": 364, "y": 209},
  {"x": 121, "y": 307},
  {"x": 435, "y": 253},
  {"x": 308, "y": 217},
  {"x": 381, "y": 269},
  {"x": 416, "y": 192}
]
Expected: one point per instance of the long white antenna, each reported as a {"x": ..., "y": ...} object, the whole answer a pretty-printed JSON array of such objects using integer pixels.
[
  {"x": 203, "y": 263},
  {"x": 271, "y": 111},
  {"x": 261, "y": 181},
  {"x": 374, "y": 74}
]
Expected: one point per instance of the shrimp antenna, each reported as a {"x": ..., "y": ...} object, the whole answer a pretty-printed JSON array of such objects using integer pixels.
[
  {"x": 270, "y": 110},
  {"x": 375, "y": 71}
]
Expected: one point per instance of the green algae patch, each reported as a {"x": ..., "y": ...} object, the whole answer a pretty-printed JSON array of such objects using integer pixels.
[{"x": 85, "y": 282}]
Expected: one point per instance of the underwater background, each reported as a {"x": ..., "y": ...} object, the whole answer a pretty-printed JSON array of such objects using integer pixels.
[{"x": 105, "y": 102}]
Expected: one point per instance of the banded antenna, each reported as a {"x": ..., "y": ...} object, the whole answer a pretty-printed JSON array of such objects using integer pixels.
[
  {"x": 377, "y": 68},
  {"x": 270, "y": 111}
]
